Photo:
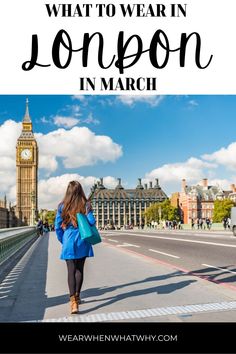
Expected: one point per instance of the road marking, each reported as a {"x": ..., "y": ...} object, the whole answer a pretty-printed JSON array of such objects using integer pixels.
[
  {"x": 172, "y": 266},
  {"x": 128, "y": 245},
  {"x": 109, "y": 239},
  {"x": 165, "y": 254},
  {"x": 225, "y": 270},
  {"x": 183, "y": 240},
  {"x": 209, "y": 234},
  {"x": 144, "y": 313}
]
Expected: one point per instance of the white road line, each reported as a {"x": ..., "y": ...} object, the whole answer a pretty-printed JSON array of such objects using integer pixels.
[
  {"x": 165, "y": 254},
  {"x": 212, "y": 236},
  {"x": 225, "y": 270},
  {"x": 183, "y": 240},
  {"x": 128, "y": 245},
  {"x": 109, "y": 239}
]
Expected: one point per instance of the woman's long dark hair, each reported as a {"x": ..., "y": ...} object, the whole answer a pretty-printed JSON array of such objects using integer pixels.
[{"x": 74, "y": 202}]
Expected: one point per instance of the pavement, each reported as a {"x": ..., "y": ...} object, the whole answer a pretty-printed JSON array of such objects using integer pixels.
[{"x": 120, "y": 285}]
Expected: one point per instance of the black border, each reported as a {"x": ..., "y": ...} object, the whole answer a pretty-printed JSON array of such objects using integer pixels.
[{"x": 191, "y": 337}]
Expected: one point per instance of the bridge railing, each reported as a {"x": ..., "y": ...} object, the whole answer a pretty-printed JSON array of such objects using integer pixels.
[{"x": 14, "y": 239}]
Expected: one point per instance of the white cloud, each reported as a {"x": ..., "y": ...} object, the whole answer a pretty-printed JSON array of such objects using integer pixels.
[
  {"x": 52, "y": 190},
  {"x": 44, "y": 120},
  {"x": 75, "y": 110},
  {"x": 110, "y": 182},
  {"x": 67, "y": 122},
  {"x": 91, "y": 120},
  {"x": 193, "y": 170},
  {"x": 9, "y": 133},
  {"x": 222, "y": 183},
  {"x": 129, "y": 100},
  {"x": 107, "y": 101},
  {"x": 7, "y": 163},
  {"x": 171, "y": 175},
  {"x": 79, "y": 97},
  {"x": 83, "y": 99},
  {"x": 193, "y": 103},
  {"x": 77, "y": 147},
  {"x": 224, "y": 156},
  {"x": 48, "y": 162},
  {"x": 7, "y": 180},
  {"x": 11, "y": 195}
]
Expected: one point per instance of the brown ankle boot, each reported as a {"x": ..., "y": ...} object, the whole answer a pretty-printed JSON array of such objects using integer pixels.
[
  {"x": 78, "y": 298},
  {"x": 73, "y": 305}
]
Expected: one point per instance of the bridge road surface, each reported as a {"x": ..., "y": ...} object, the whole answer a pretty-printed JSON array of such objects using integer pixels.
[
  {"x": 208, "y": 254},
  {"x": 122, "y": 284}
]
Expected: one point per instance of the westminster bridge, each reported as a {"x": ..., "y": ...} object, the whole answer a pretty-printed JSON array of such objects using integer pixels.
[{"x": 136, "y": 275}]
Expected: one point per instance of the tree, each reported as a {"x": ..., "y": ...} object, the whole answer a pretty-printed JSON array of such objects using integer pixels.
[
  {"x": 153, "y": 212},
  {"x": 173, "y": 214},
  {"x": 222, "y": 209},
  {"x": 162, "y": 211},
  {"x": 48, "y": 215}
]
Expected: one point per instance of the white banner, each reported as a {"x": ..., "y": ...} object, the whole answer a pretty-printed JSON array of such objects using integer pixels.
[{"x": 106, "y": 47}]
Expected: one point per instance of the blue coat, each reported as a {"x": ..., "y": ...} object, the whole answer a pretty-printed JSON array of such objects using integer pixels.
[{"x": 72, "y": 245}]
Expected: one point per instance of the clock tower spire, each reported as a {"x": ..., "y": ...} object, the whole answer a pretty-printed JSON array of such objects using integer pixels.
[
  {"x": 27, "y": 127},
  {"x": 27, "y": 172},
  {"x": 27, "y": 116}
]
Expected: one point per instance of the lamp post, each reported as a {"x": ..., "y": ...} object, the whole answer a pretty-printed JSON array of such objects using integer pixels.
[
  {"x": 32, "y": 221},
  {"x": 159, "y": 211}
]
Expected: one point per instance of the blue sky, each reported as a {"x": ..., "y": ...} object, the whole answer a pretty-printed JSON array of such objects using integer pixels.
[{"x": 159, "y": 136}]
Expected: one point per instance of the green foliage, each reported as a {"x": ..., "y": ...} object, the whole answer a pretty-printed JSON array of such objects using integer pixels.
[
  {"x": 152, "y": 213},
  {"x": 222, "y": 209},
  {"x": 162, "y": 211},
  {"x": 48, "y": 215}
]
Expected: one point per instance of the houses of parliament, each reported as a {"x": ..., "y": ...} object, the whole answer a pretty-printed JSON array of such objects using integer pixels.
[{"x": 26, "y": 209}]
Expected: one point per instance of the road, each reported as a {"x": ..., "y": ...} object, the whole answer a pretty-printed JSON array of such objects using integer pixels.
[
  {"x": 206, "y": 254},
  {"x": 134, "y": 277}
]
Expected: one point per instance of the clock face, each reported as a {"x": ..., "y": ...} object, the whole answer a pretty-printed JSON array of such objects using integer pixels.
[{"x": 26, "y": 154}]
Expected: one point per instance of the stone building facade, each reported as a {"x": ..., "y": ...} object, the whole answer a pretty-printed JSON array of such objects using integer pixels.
[
  {"x": 119, "y": 206},
  {"x": 3, "y": 213},
  {"x": 197, "y": 201},
  {"x": 7, "y": 215},
  {"x": 232, "y": 193}
]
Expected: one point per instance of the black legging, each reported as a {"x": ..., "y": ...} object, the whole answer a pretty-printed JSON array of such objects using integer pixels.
[{"x": 75, "y": 269}]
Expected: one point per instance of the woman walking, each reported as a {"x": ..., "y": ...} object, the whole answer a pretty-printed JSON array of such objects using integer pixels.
[{"x": 74, "y": 250}]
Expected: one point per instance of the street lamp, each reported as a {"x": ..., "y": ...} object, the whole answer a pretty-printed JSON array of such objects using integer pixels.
[
  {"x": 159, "y": 211},
  {"x": 33, "y": 198}
]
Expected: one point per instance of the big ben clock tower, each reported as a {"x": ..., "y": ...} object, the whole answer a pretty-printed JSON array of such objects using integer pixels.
[{"x": 27, "y": 173}]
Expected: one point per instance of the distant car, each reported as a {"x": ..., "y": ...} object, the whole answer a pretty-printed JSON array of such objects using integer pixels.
[{"x": 233, "y": 220}]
